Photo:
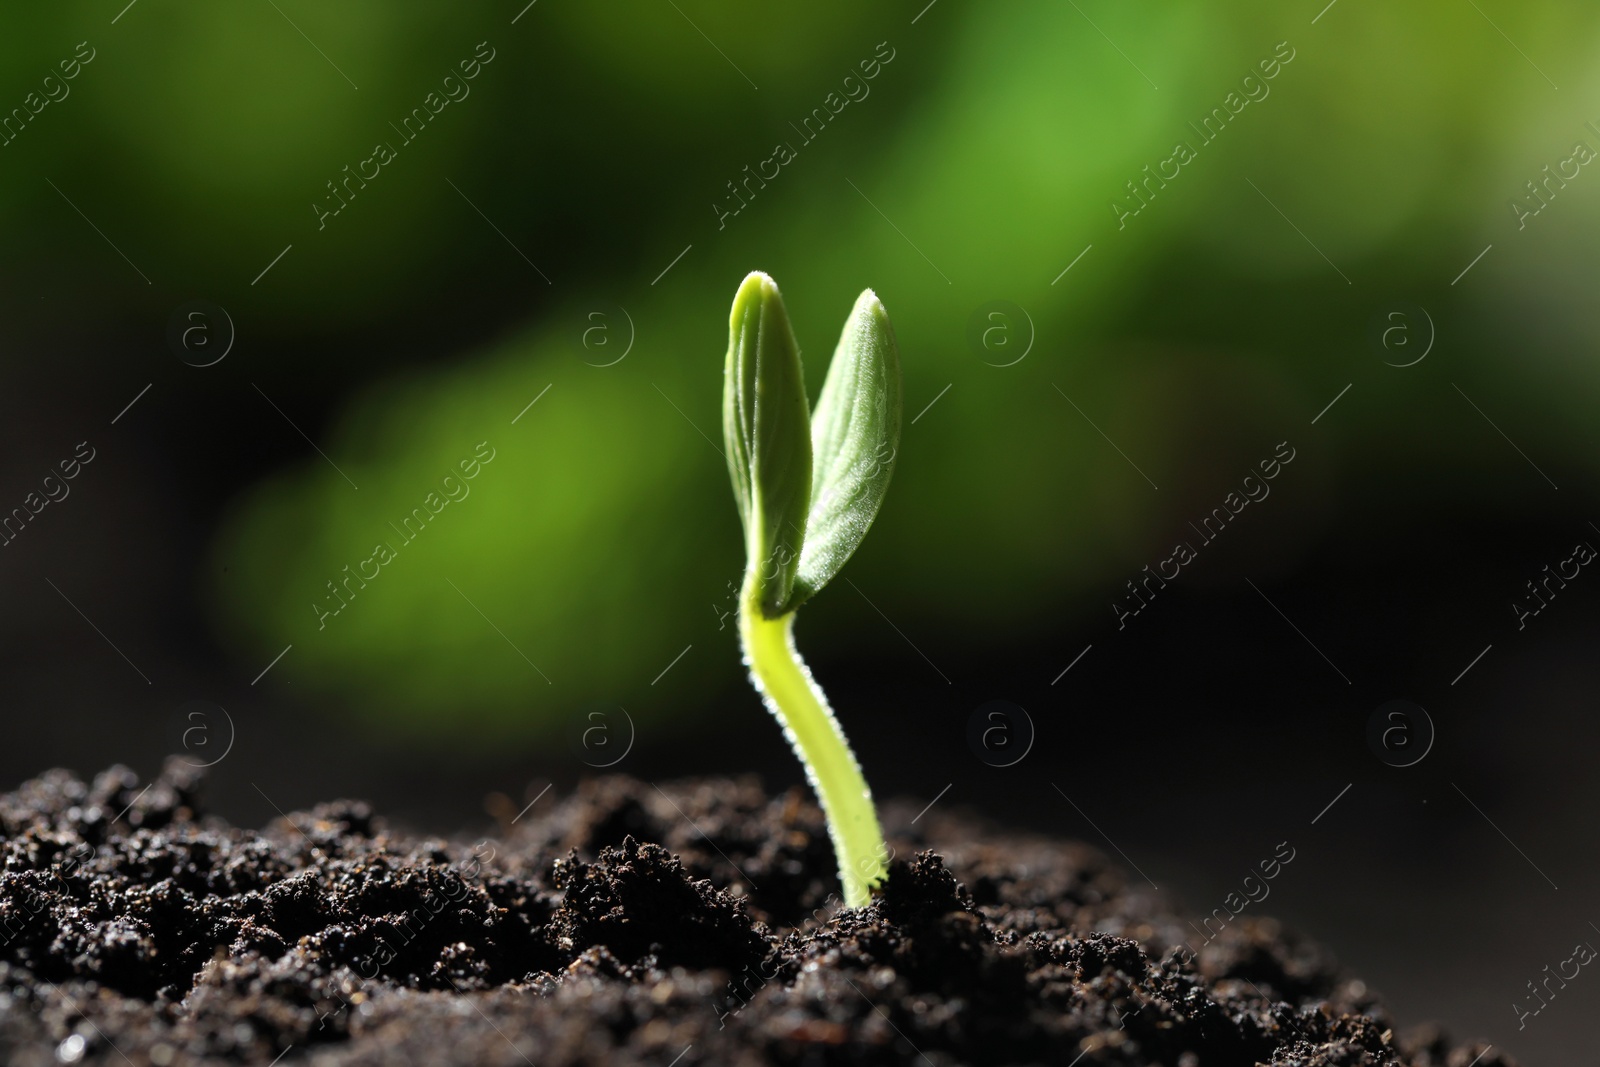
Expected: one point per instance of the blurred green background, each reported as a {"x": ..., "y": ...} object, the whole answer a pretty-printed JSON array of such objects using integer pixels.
[
  {"x": 598, "y": 141},
  {"x": 560, "y": 234}
]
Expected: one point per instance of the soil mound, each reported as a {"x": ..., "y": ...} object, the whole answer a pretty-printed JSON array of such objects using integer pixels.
[{"x": 688, "y": 923}]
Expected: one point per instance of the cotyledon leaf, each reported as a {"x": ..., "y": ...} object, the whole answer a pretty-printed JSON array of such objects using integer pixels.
[
  {"x": 855, "y": 437},
  {"x": 765, "y": 426}
]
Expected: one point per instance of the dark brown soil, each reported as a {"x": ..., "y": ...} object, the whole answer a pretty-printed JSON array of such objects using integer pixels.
[{"x": 686, "y": 924}]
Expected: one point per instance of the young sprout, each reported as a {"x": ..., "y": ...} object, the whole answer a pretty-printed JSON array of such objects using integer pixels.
[{"x": 808, "y": 487}]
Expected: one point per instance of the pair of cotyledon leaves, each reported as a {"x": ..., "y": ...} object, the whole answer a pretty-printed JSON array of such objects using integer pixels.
[{"x": 808, "y": 484}]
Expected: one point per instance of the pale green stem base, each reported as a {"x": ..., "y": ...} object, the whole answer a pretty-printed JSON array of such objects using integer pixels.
[{"x": 793, "y": 696}]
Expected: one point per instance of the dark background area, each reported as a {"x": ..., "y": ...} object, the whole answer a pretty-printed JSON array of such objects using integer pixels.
[{"x": 144, "y": 611}]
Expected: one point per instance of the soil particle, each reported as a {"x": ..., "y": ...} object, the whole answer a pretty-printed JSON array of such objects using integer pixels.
[{"x": 686, "y": 923}]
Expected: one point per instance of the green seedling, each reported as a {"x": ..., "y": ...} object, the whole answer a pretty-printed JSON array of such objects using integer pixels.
[{"x": 808, "y": 487}]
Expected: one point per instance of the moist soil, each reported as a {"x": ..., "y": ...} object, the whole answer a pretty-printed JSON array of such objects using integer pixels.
[{"x": 689, "y": 923}]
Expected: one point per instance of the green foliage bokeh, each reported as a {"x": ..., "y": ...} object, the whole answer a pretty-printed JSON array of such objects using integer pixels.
[{"x": 599, "y": 540}]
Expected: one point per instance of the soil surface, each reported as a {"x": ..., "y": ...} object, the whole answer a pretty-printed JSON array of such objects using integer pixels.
[{"x": 684, "y": 924}]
